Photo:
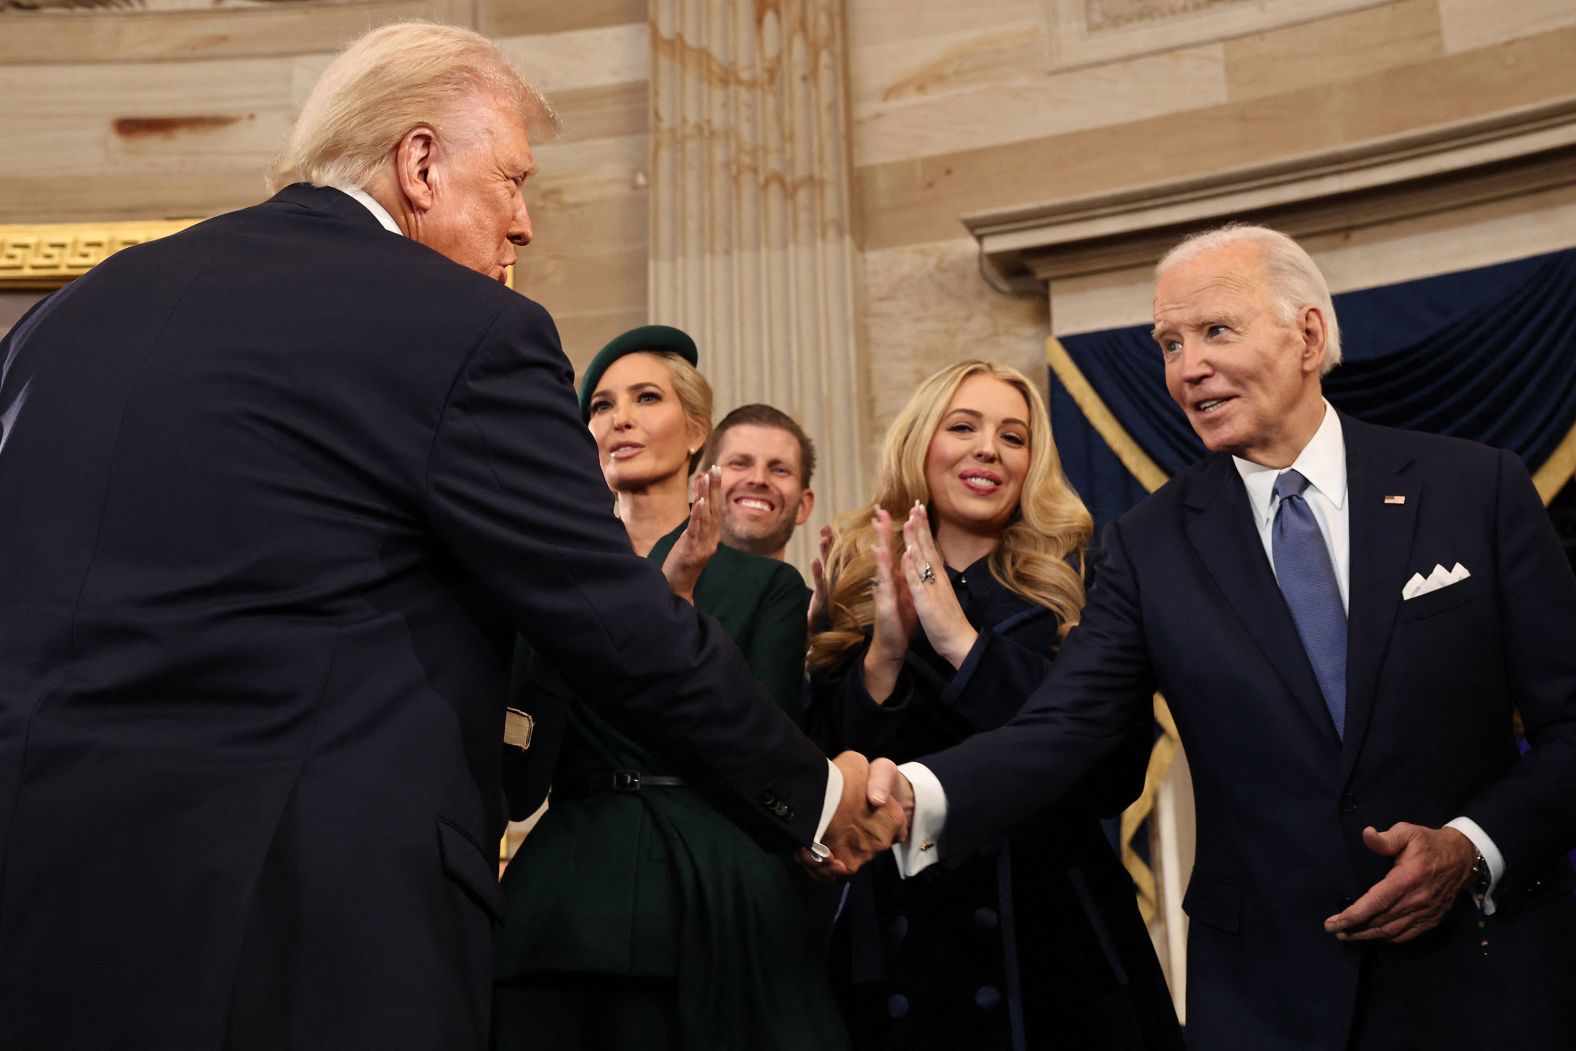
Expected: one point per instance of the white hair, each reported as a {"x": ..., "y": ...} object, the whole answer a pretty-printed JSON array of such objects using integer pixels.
[
  {"x": 1294, "y": 279},
  {"x": 387, "y": 82}
]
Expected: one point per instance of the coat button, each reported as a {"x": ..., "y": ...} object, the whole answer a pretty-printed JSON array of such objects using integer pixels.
[
  {"x": 986, "y": 919},
  {"x": 768, "y": 799},
  {"x": 1349, "y": 803},
  {"x": 986, "y": 997},
  {"x": 898, "y": 928},
  {"x": 781, "y": 809},
  {"x": 897, "y": 1005}
]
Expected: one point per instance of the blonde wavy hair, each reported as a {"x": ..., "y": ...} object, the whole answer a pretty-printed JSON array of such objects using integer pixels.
[
  {"x": 1036, "y": 555},
  {"x": 387, "y": 82},
  {"x": 694, "y": 394}
]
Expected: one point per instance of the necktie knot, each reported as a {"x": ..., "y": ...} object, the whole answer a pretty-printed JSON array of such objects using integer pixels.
[{"x": 1290, "y": 483}]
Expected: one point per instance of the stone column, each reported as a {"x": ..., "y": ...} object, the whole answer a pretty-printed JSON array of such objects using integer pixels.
[{"x": 751, "y": 208}]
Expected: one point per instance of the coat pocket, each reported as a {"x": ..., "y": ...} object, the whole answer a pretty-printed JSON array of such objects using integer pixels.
[
  {"x": 1446, "y": 598},
  {"x": 468, "y": 865},
  {"x": 1212, "y": 901}
]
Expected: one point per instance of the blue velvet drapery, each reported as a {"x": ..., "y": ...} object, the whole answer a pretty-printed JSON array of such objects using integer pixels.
[{"x": 1487, "y": 354}]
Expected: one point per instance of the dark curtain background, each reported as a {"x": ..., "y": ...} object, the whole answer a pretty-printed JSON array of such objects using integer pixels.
[{"x": 1487, "y": 354}]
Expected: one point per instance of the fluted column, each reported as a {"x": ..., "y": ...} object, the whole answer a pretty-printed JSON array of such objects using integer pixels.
[{"x": 751, "y": 210}]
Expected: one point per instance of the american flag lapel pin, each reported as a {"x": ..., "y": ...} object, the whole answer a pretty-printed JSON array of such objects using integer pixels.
[{"x": 1395, "y": 499}]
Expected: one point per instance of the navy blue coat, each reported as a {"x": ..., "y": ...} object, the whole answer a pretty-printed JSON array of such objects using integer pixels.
[
  {"x": 1185, "y": 601},
  {"x": 1036, "y": 940},
  {"x": 284, "y": 488}
]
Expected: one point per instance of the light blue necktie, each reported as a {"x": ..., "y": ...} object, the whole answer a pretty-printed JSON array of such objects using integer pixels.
[{"x": 1307, "y": 580}]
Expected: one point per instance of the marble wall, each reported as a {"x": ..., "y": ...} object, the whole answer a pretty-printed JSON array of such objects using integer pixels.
[{"x": 169, "y": 109}]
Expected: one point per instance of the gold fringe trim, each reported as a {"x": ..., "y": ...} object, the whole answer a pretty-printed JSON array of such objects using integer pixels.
[
  {"x": 1161, "y": 757},
  {"x": 1558, "y": 469},
  {"x": 1133, "y": 458}
]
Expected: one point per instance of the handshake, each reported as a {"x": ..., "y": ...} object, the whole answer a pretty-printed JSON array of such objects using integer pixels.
[{"x": 875, "y": 812}]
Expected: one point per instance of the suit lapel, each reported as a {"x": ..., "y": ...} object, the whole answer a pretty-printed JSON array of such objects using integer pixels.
[
  {"x": 1381, "y": 543},
  {"x": 1220, "y": 528}
]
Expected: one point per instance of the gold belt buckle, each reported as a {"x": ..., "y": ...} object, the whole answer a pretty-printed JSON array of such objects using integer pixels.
[{"x": 517, "y": 728}]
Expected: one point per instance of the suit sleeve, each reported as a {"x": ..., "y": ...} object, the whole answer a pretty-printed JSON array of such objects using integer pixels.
[
  {"x": 537, "y": 691},
  {"x": 1094, "y": 702},
  {"x": 515, "y": 495},
  {"x": 1531, "y": 813}
]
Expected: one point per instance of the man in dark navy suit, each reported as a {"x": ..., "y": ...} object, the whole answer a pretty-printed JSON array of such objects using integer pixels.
[
  {"x": 1344, "y": 619},
  {"x": 277, "y": 493}
]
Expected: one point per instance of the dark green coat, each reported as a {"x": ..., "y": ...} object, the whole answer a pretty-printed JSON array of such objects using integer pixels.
[{"x": 658, "y": 882}]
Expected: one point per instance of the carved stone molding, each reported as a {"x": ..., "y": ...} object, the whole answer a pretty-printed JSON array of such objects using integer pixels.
[
  {"x": 44, "y": 257},
  {"x": 1090, "y": 32},
  {"x": 1440, "y": 169},
  {"x": 751, "y": 212}
]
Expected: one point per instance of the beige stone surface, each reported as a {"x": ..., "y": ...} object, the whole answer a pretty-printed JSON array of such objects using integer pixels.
[
  {"x": 1089, "y": 33},
  {"x": 1343, "y": 47},
  {"x": 1470, "y": 24},
  {"x": 582, "y": 58},
  {"x": 915, "y": 124},
  {"x": 204, "y": 30},
  {"x": 918, "y": 200},
  {"x": 926, "y": 306},
  {"x": 512, "y": 18}
]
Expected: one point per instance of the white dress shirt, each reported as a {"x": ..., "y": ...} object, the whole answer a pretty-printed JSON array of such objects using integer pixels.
[{"x": 1323, "y": 462}]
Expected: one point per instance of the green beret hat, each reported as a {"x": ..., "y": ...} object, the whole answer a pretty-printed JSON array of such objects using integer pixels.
[{"x": 649, "y": 338}]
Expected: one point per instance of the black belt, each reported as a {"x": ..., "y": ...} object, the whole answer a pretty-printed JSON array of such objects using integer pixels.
[{"x": 612, "y": 781}]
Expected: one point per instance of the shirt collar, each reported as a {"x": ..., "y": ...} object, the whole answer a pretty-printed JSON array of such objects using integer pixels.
[
  {"x": 1322, "y": 461},
  {"x": 379, "y": 212}
]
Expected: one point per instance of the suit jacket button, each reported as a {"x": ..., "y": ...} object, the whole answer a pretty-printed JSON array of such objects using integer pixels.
[
  {"x": 986, "y": 919},
  {"x": 897, "y": 1005},
  {"x": 986, "y": 997},
  {"x": 1348, "y": 803},
  {"x": 780, "y": 809},
  {"x": 768, "y": 800}
]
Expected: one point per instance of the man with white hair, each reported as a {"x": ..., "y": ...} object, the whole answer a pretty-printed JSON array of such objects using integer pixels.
[
  {"x": 1344, "y": 620},
  {"x": 284, "y": 487}
]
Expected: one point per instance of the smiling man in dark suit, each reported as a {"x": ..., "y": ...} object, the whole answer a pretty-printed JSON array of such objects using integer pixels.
[
  {"x": 279, "y": 493},
  {"x": 1344, "y": 619}
]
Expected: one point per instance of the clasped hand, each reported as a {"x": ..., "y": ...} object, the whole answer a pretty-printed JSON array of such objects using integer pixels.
[{"x": 875, "y": 811}]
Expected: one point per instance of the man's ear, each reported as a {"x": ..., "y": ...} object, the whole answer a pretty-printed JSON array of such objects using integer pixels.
[
  {"x": 415, "y": 157},
  {"x": 1313, "y": 338},
  {"x": 806, "y": 505}
]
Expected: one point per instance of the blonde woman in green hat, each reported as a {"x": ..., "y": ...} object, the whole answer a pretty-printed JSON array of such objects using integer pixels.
[{"x": 636, "y": 914}]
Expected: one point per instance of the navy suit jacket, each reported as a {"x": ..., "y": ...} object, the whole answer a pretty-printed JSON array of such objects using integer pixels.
[
  {"x": 1186, "y": 602},
  {"x": 284, "y": 488}
]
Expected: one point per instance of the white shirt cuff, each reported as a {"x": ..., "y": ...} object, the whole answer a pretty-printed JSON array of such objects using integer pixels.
[
  {"x": 923, "y": 848},
  {"x": 1485, "y": 846},
  {"x": 834, "y": 795}
]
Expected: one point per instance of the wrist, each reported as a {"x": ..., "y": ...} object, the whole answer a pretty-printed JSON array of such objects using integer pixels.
[
  {"x": 878, "y": 655},
  {"x": 955, "y": 650}
]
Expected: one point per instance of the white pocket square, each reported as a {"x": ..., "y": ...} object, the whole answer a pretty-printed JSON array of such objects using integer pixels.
[{"x": 1439, "y": 578}]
